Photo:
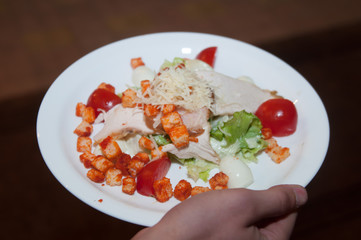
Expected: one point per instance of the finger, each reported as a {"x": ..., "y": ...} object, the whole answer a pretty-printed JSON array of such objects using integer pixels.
[
  {"x": 280, "y": 228},
  {"x": 276, "y": 201}
]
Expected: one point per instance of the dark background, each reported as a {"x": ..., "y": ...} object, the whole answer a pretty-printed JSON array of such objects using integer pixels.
[{"x": 39, "y": 39}]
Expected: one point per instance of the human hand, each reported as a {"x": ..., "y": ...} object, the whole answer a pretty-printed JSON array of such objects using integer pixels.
[{"x": 232, "y": 214}]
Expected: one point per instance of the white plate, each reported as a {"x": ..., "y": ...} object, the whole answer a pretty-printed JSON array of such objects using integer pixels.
[{"x": 111, "y": 63}]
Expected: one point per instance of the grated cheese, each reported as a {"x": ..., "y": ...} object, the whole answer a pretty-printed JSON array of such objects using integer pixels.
[{"x": 178, "y": 86}]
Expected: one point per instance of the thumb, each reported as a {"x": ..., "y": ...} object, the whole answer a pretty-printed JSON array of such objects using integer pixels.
[{"x": 277, "y": 201}]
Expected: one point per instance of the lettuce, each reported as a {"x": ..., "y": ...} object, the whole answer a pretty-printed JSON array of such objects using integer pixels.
[
  {"x": 161, "y": 140},
  {"x": 197, "y": 168},
  {"x": 176, "y": 61},
  {"x": 239, "y": 135}
]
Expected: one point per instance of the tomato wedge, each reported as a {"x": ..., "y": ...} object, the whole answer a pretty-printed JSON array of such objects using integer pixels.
[
  {"x": 208, "y": 55},
  {"x": 280, "y": 115},
  {"x": 152, "y": 172},
  {"x": 102, "y": 99}
]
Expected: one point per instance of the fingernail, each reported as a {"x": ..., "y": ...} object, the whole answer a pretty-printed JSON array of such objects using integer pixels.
[{"x": 301, "y": 195}]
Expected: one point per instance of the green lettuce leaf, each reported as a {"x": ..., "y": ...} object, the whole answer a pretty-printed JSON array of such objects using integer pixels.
[
  {"x": 161, "y": 140},
  {"x": 239, "y": 135},
  {"x": 197, "y": 168},
  {"x": 176, "y": 61}
]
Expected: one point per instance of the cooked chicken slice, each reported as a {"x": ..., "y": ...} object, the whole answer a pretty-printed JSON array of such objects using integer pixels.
[
  {"x": 195, "y": 120},
  {"x": 201, "y": 149},
  {"x": 120, "y": 121},
  {"x": 232, "y": 95}
]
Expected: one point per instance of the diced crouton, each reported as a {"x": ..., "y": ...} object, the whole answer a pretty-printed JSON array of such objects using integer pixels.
[
  {"x": 182, "y": 190},
  {"x": 79, "y": 109},
  {"x": 89, "y": 115},
  {"x": 113, "y": 177},
  {"x": 96, "y": 176},
  {"x": 136, "y": 62},
  {"x": 151, "y": 110},
  {"x": 102, "y": 164},
  {"x": 167, "y": 108},
  {"x": 129, "y": 185},
  {"x": 107, "y": 87},
  {"x": 179, "y": 136},
  {"x": 146, "y": 143},
  {"x": 129, "y": 98},
  {"x": 121, "y": 163},
  {"x": 142, "y": 156},
  {"x": 110, "y": 148},
  {"x": 197, "y": 190},
  {"x": 86, "y": 158},
  {"x": 145, "y": 84},
  {"x": 163, "y": 189},
  {"x": 171, "y": 120},
  {"x": 135, "y": 166},
  {"x": 219, "y": 181},
  {"x": 84, "y": 129},
  {"x": 277, "y": 153},
  {"x": 193, "y": 139},
  {"x": 157, "y": 153},
  {"x": 84, "y": 144},
  {"x": 267, "y": 133}
]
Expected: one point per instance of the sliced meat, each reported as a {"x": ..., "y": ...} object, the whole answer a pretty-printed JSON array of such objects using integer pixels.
[
  {"x": 195, "y": 121},
  {"x": 120, "y": 121},
  {"x": 201, "y": 149},
  {"x": 233, "y": 95}
]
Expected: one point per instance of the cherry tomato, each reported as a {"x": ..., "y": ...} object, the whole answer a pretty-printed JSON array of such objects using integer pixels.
[
  {"x": 208, "y": 55},
  {"x": 102, "y": 99},
  {"x": 152, "y": 172},
  {"x": 280, "y": 115}
]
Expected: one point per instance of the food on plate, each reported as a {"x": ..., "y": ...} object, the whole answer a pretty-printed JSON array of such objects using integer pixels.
[
  {"x": 208, "y": 55},
  {"x": 155, "y": 170},
  {"x": 184, "y": 113},
  {"x": 182, "y": 190},
  {"x": 102, "y": 99},
  {"x": 280, "y": 115}
]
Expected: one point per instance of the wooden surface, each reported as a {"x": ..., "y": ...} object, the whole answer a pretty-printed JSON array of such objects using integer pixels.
[{"x": 327, "y": 53}]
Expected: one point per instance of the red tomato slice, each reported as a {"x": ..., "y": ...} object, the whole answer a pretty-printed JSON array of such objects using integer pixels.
[
  {"x": 280, "y": 115},
  {"x": 208, "y": 55},
  {"x": 152, "y": 172},
  {"x": 102, "y": 99}
]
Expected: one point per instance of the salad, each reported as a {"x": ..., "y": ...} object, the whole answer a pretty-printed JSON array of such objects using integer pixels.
[{"x": 187, "y": 113}]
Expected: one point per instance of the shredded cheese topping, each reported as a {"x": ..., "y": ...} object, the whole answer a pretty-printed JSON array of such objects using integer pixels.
[{"x": 179, "y": 86}]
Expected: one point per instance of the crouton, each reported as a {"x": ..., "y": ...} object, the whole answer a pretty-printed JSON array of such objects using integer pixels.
[
  {"x": 171, "y": 120},
  {"x": 129, "y": 98},
  {"x": 88, "y": 115},
  {"x": 84, "y": 129},
  {"x": 135, "y": 166},
  {"x": 86, "y": 158},
  {"x": 198, "y": 189},
  {"x": 96, "y": 175},
  {"x": 163, "y": 189},
  {"x": 102, "y": 164},
  {"x": 113, "y": 177},
  {"x": 182, "y": 190},
  {"x": 219, "y": 181},
  {"x": 179, "y": 136},
  {"x": 146, "y": 143},
  {"x": 79, "y": 109},
  {"x": 121, "y": 163},
  {"x": 129, "y": 185},
  {"x": 107, "y": 87},
  {"x": 84, "y": 144},
  {"x": 110, "y": 148}
]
